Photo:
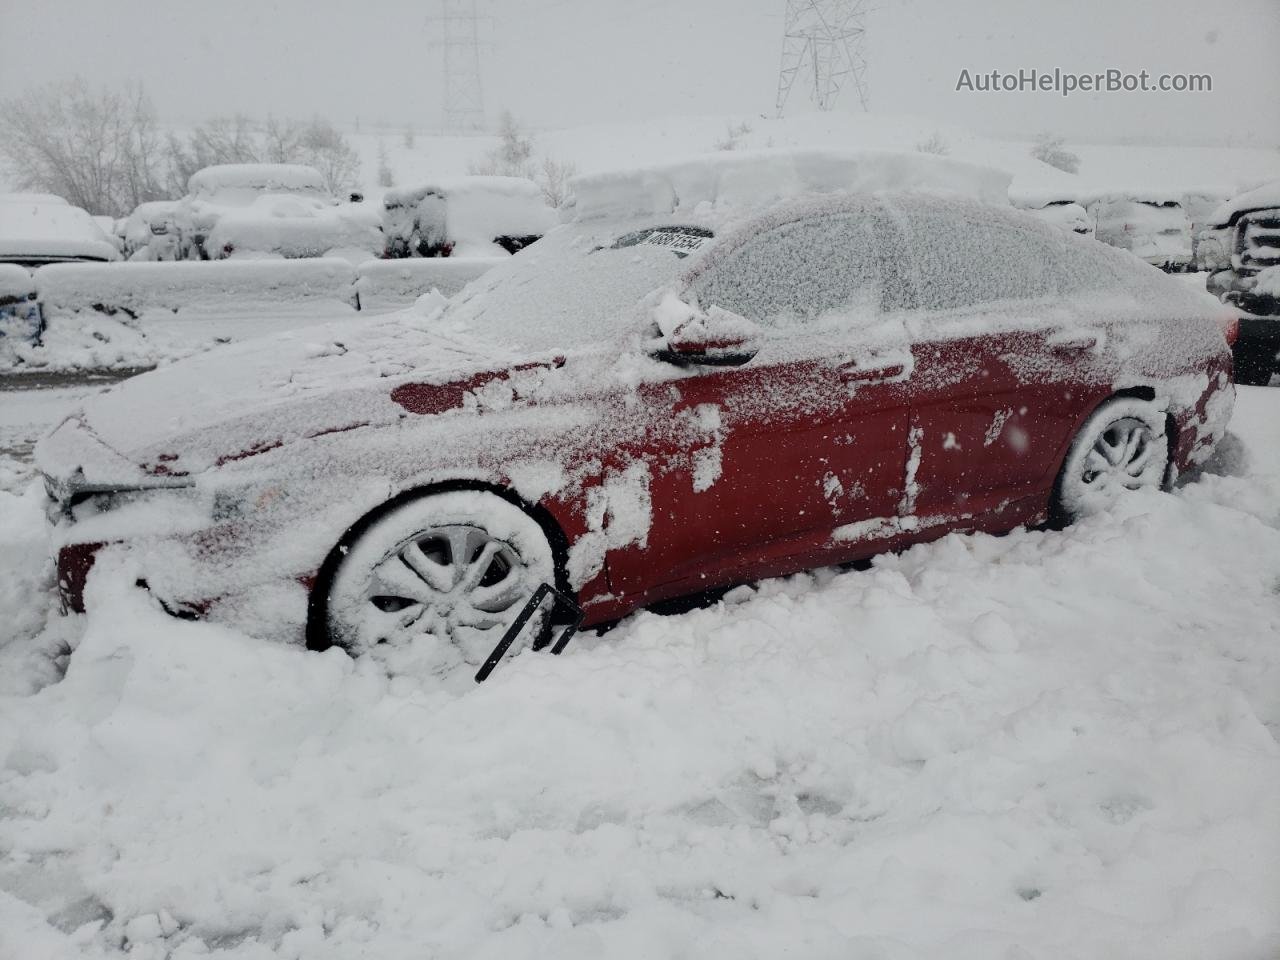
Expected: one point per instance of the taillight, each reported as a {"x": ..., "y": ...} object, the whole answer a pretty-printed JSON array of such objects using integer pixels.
[{"x": 1230, "y": 323}]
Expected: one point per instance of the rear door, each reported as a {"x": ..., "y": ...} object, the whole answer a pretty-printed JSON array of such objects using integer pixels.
[
  {"x": 1001, "y": 362},
  {"x": 807, "y": 437}
]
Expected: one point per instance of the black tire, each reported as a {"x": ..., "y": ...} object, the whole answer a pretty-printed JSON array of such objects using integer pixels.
[{"x": 1123, "y": 445}]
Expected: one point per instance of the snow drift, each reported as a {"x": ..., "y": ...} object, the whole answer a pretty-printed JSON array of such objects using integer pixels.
[
  {"x": 1032, "y": 746},
  {"x": 749, "y": 180},
  {"x": 135, "y": 287}
]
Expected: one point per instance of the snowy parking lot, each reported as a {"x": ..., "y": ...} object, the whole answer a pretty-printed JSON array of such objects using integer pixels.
[
  {"x": 842, "y": 438},
  {"x": 1037, "y": 745}
]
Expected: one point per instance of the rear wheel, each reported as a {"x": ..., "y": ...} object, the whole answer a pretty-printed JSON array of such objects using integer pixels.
[
  {"x": 431, "y": 585},
  {"x": 1121, "y": 447}
]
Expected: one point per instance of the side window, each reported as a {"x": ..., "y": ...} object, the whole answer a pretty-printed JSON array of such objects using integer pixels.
[
  {"x": 958, "y": 253},
  {"x": 823, "y": 269}
]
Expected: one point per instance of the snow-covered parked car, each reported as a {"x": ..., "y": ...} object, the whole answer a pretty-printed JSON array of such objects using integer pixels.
[
  {"x": 1065, "y": 215},
  {"x": 1149, "y": 225},
  {"x": 151, "y": 232},
  {"x": 36, "y": 229},
  {"x": 1246, "y": 234},
  {"x": 272, "y": 210},
  {"x": 719, "y": 371},
  {"x": 19, "y": 312},
  {"x": 1199, "y": 204},
  {"x": 476, "y": 216}
]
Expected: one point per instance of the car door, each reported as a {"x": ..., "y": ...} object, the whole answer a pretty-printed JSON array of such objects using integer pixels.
[
  {"x": 805, "y": 438},
  {"x": 1000, "y": 360}
]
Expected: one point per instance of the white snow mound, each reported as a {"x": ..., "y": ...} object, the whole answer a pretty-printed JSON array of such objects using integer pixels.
[{"x": 756, "y": 178}]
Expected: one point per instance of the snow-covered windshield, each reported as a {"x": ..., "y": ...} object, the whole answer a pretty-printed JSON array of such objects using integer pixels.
[{"x": 579, "y": 284}]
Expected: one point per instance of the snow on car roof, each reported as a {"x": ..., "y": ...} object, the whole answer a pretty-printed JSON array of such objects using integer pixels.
[
  {"x": 31, "y": 230},
  {"x": 1267, "y": 195},
  {"x": 51, "y": 198},
  {"x": 287, "y": 177},
  {"x": 712, "y": 185}
]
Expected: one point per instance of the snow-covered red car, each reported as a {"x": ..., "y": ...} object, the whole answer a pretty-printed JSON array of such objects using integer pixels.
[{"x": 717, "y": 372}]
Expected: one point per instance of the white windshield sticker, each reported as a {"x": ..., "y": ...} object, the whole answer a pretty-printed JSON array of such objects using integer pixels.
[{"x": 683, "y": 243}]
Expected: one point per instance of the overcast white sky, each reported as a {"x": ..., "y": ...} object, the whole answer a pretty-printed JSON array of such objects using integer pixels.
[{"x": 564, "y": 62}]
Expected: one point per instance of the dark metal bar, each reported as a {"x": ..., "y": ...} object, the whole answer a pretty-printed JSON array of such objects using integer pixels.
[{"x": 561, "y": 602}]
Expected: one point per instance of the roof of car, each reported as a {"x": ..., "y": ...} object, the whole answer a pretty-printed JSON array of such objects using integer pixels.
[
  {"x": 1267, "y": 195},
  {"x": 286, "y": 177},
  {"x": 721, "y": 186}
]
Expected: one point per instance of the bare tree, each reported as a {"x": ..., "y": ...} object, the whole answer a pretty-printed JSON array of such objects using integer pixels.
[
  {"x": 100, "y": 151},
  {"x": 553, "y": 177},
  {"x": 281, "y": 141},
  {"x": 386, "y": 178},
  {"x": 1052, "y": 150},
  {"x": 733, "y": 136},
  {"x": 220, "y": 140},
  {"x": 238, "y": 140},
  {"x": 408, "y": 138},
  {"x": 512, "y": 157},
  {"x": 325, "y": 148},
  {"x": 935, "y": 145}
]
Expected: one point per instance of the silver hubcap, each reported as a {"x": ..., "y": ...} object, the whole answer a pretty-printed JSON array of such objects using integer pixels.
[
  {"x": 1124, "y": 456},
  {"x": 442, "y": 582}
]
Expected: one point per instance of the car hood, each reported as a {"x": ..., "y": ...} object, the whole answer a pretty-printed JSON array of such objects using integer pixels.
[{"x": 257, "y": 395}]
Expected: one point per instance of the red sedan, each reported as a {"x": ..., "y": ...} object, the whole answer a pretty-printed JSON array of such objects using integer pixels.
[{"x": 641, "y": 407}]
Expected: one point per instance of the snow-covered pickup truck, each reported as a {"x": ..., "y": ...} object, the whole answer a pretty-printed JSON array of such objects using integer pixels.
[
  {"x": 1246, "y": 231},
  {"x": 271, "y": 210}
]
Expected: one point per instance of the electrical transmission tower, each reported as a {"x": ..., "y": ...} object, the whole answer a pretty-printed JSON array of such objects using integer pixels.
[
  {"x": 825, "y": 40},
  {"x": 460, "y": 38}
]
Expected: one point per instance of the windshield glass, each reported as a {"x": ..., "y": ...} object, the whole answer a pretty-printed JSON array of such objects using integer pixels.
[{"x": 579, "y": 284}]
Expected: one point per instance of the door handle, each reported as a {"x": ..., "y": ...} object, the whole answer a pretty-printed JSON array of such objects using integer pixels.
[
  {"x": 1073, "y": 341},
  {"x": 859, "y": 374}
]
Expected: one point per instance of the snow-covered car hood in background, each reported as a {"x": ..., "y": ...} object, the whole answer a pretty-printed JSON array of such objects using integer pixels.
[
  {"x": 259, "y": 394},
  {"x": 35, "y": 231}
]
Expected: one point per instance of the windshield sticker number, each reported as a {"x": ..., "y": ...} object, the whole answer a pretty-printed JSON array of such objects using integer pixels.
[{"x": 681, "y": 244}]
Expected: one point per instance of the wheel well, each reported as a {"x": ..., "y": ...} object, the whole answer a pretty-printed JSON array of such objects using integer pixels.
[
  {"x": 317, "y": 636},
  {"x": 1057, "y": 519}
]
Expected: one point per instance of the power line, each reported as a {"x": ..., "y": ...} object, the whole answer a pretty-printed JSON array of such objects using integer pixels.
[
  {"x": 824, "y": 40},
  {"x": 460, "y": 40}
]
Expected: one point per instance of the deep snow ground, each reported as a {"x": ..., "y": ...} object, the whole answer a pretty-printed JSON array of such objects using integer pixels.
[{"x": 1046, "y": 745}]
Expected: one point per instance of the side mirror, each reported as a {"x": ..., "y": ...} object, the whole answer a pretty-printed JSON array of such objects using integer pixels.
[{"x": 716, "y": 338}]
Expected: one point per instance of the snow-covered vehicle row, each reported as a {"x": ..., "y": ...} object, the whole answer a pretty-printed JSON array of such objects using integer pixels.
[
  {"x": 252, "y": 210},
  {"x": 1161, "y": 226},
  {"x": 718, "y": 372}
]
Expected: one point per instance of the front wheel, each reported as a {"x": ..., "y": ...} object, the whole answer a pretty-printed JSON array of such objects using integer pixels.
[
  {"x": 1123, "y": 446},
  {"x": 431, "y": 585}
]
